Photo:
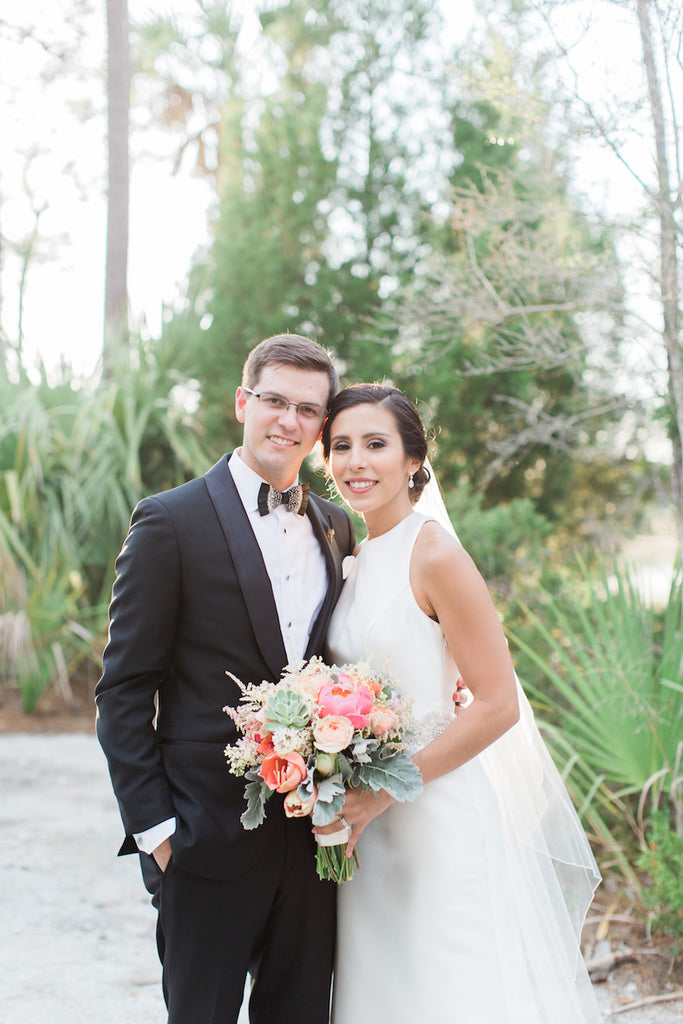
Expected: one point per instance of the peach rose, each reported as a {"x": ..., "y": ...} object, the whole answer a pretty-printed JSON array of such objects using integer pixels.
[
  {"x": 333, "y": 733},
  {"x": 295, "y": 807},
  {"x": 283, "y": 774},
  {"x": 347, "y": 699},
  {"x": 311, "y": 684},
  {"x": 381, "y": 721}
]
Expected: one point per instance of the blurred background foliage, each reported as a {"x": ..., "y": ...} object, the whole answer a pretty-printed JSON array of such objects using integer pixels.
[{"x": 410, "y": 203}]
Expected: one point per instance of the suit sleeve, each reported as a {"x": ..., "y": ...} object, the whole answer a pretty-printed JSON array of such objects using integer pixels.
[
  {"x": 345, "y": 532},
  {"x": 142, "y": 618}
]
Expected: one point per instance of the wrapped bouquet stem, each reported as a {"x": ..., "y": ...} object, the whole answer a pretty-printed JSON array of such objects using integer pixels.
[
  {"x": 331, "y": 859},
  {"x": 316, "y": 733}
]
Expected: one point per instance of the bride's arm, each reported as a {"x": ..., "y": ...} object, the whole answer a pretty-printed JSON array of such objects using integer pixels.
[{"x": 449, "y": 588}]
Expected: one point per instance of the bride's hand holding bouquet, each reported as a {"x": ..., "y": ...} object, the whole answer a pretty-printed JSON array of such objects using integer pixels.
[{"x": 320, "y": 736}]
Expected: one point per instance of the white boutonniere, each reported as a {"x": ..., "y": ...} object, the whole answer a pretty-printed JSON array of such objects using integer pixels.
[{"x": 347, "y": 565}]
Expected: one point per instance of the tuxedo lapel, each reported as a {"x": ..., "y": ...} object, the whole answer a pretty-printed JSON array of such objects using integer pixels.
[
  {"x": 324, "y": 532},
  {"x": 249, "y": 565}
]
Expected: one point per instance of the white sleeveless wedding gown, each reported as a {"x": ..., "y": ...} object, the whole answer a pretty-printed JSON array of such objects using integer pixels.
[{"x": 455, "y": 916}]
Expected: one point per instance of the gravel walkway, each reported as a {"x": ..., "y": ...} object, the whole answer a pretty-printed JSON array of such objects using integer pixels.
[{"x": 77, "y": 939}]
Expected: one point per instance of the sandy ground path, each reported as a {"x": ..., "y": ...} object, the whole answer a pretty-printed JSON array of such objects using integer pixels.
[
  {"x": 78, "y": 927},
  {"x": 77, "y": 935}
]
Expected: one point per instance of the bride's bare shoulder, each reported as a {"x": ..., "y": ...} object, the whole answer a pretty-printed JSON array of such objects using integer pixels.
[
  {"x": 433, "y": 538},
  {"x": 437, "y": 550}
]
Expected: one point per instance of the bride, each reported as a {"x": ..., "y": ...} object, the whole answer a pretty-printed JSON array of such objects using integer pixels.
[{"x": 469, "y": 903}]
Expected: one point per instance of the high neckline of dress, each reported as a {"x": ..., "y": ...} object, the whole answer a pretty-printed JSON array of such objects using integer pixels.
[{"x": 388, "y": 533}]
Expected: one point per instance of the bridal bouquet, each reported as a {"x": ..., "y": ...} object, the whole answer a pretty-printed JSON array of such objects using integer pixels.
[{"x": 314, "y": 734}]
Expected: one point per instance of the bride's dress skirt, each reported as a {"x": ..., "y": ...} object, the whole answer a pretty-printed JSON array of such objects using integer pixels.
[{"x": 469, "y": 901}]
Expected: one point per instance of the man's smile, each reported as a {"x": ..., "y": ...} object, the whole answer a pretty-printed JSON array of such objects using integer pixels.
[{"x": 282, "y": 442}]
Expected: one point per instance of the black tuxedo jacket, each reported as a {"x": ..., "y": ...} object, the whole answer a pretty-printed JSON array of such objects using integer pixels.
[{"x": 192, "y": 599}]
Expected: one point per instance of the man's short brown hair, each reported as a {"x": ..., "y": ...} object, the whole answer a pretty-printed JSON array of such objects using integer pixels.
[{"x": 290, "y": 350}]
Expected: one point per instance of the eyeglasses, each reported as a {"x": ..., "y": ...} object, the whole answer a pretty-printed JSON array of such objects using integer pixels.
[{"x": 276, "y": 403}]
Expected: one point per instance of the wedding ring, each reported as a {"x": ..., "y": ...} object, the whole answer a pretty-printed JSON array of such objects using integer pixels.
[{"x": 343, "y": 821}]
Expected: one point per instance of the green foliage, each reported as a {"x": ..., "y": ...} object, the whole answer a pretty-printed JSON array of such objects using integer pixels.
[
  {"x": 73, "y": 462},
  {"x": 608, "y": 687},
  {"x": 333, "y": 219},
  {"x": 321, "y": 210},
  {"x": 505, "y": 541},
  {"x": 256, "y": 794},
  {"x": 663, "y": 863},
  {"x": 491, "y": 345},
  {"x": 394, "y": 772}
]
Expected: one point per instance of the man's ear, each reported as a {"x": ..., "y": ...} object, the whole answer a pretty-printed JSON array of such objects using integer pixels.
[{"x": 240, "y": 404}]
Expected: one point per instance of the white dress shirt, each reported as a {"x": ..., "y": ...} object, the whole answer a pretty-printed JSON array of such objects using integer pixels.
[{"x": 296, "y": 566}]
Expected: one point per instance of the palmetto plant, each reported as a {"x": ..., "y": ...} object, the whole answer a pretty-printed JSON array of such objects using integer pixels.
[
  {"x": 610, "y": 698},
  {"x": 73, "y": 462}
]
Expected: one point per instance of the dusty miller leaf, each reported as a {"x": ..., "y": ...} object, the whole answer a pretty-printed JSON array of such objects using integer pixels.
[
  {"x": 256, "y": 793},
  {"x": 397, "y": 774}
]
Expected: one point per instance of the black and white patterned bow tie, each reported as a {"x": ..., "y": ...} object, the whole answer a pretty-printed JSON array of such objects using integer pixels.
[{"x": 295, "y": 499}]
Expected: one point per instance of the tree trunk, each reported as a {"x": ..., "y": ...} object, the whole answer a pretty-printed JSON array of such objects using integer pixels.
[
  {"x": 668, "y": 270},
  {"x": 118, "y": 98}
]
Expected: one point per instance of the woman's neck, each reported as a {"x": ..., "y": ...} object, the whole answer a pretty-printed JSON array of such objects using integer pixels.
[{"x": 383, "y": 519}]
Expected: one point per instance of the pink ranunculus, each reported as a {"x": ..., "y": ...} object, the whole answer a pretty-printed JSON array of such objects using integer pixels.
[
  {"x": 333, "y": 733},
  {"x": 295, "y": 807},
  {"x": 257, "y": 732},
  {"x": 311, "y": 683},
  {"x": 283, "y": 774},
  {"x": 265, "y": 743},
  {"x": 381, "y": 720},
  {"x": 346, "y": 698},
  {"x": 254, "y": 725}
]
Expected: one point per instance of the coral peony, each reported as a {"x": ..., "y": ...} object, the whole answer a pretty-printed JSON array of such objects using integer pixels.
[{"x": 346, "y": 698}]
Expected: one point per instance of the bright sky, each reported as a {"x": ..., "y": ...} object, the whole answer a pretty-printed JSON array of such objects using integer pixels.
[
  {"x": 66, "y": 177},
  {"x": 168, "y": 216}
]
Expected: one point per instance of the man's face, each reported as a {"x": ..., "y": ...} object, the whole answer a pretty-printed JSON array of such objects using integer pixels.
[{"x": 275, "y": 442}]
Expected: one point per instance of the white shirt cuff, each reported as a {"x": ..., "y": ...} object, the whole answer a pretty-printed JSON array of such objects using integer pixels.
[{"x": 148, "y": 840}]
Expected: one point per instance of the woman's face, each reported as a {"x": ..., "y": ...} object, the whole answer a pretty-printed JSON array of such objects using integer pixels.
[{"x": 368, "y": 462}]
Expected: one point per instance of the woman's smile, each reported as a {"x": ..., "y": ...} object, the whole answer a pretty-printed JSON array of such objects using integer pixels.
[{"x": 359, "y": 486}]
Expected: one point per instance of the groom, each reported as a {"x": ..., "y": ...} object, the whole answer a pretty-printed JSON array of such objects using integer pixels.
[{"x": 217, "y": 576}]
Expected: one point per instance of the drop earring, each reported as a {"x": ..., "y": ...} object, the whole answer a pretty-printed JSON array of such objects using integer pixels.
[{"x": 411, "y": 482}]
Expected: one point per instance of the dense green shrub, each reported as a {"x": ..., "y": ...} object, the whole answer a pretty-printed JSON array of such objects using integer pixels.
[
  {"x": 609, "y": 694},
  {"x": 663, "y": 863},
  {"x": 74, "y": 460}
]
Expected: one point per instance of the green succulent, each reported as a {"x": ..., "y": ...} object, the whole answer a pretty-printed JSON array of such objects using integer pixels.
[{"x": 288, "y": 709}]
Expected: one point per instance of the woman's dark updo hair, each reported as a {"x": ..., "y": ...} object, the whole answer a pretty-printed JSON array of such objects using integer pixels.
[{"x": 405, "y": 414}]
